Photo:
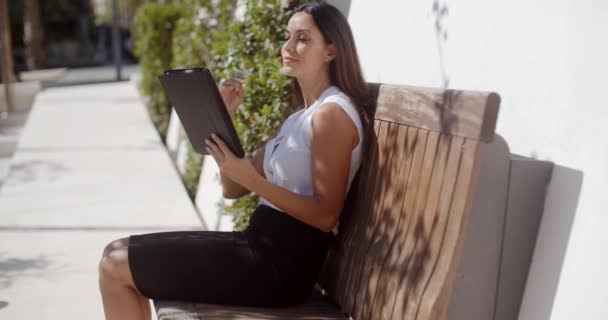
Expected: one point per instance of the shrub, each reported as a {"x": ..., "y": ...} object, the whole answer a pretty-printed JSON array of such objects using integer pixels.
[
  {"x": 200, "y": 40},
  {"x": 153, "y": 31},
  {"x": 203, "y": 33},
  {"x": 254, "y": 49}
]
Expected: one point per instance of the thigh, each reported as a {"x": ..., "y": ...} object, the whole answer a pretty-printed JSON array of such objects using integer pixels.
[{"x": 202, "y": 266}]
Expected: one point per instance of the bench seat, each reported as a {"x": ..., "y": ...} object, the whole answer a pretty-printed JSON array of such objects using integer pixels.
[{"x": 318, "y": 307}]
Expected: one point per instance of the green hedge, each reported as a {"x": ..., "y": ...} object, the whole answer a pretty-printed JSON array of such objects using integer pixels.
[
  {"x": 153, "y": 28},
  {"x": 254, "y": 49},
  {"x": 203, "y": 33},
  {"x": 200, "y": 39}
]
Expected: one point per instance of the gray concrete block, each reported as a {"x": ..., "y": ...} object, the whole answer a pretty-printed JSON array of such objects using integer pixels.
[
  {"x": 501, "y": 235},
  {"x": 474, "y": 295},
  {"x": 528, "y": 184}
]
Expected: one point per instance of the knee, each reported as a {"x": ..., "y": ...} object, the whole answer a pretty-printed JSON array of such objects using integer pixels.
[
  {"x": 122, "y": 243},
  {"x": 114, "y": 262}
]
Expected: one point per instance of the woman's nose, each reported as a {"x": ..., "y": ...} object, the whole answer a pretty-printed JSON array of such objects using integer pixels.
[{"x": 288, "y": 46}]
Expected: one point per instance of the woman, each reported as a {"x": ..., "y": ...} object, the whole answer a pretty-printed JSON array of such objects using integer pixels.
[{"x": 302, "y": 175}]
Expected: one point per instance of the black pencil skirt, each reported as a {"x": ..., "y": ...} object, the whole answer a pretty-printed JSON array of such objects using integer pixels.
[{"x": 274, "y": 262}]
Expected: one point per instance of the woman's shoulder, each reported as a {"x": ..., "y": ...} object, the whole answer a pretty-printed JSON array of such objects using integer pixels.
[
  {"x": 336, "y": 94},
  {"x": 340, "y": 98}
]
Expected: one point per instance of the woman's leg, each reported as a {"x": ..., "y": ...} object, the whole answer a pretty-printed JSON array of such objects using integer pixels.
[{"x": 120, "y": 297}]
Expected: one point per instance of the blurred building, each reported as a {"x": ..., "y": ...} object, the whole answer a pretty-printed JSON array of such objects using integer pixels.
[{"x": 68, "y": 33}]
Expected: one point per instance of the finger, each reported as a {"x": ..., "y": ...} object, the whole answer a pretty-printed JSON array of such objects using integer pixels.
[
  {"x": 233, "y": 88},
  {"x": 229, "y": 82},
  {"x": 211, "y": 144},
  {"x": 212, "y": 153},
  {"x": 235, "y": 81},
  {"x": 222, "y": 146},
  {"x": 226, "y": 89},
  {"x": 228, "y": 85},
  {"x": 238, "y": 81}
]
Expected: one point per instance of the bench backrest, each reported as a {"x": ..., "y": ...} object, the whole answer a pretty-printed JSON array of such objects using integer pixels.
[{"x": 403, "y": 224}]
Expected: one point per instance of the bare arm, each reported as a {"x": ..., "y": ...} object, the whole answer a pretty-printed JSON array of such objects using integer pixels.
[
  {"x": 233, "y": 93},
  {"x": 333, "y": 138},
  {"x": 233, "y": 190}
]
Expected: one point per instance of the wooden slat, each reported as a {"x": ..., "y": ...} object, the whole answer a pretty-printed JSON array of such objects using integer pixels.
[
  {"x": 434, "y": 221},
  {"x": 436, "y": 296},
  {"x": 173, "y": 310},
  {"x": 361, "y": 280},
  {"x": 388, "y": 268},
  {"x": 416, "y": 240},
  {"x": 468, "y": 114},
  {"x": 409, "y": 254},
  {"x": 390, "y": 211},
  {"x": 368, "y": 226}
]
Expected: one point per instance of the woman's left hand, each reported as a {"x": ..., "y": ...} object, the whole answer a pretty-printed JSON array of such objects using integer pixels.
[{"x": 239, "y": 170}]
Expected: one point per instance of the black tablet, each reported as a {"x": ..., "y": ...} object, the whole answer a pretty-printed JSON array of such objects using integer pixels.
[{"x": 200, "y": 108}]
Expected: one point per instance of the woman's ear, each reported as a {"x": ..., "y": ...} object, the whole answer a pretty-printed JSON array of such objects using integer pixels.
[{"x": 331, "y": 53}]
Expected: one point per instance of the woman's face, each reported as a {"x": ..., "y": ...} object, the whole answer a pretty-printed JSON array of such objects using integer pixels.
[{"x": 305, "y": 52}]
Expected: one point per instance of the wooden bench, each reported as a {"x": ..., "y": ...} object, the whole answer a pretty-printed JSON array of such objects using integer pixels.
[{"x": 405, "y": 217}]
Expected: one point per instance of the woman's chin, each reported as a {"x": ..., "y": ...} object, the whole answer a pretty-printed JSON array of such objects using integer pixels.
[{"x": 288, "y": 71}]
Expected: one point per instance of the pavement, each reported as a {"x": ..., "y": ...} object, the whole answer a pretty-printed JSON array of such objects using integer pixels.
[
  {"x": 89, "y": 168},
  {"x": 86, "y": 75}
]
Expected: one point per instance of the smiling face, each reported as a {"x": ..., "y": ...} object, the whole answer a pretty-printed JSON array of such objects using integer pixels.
[{"x": 305, "y": 52}]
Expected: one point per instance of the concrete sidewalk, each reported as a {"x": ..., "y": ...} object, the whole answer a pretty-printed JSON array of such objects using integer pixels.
[{"x": 89, "y": 168}]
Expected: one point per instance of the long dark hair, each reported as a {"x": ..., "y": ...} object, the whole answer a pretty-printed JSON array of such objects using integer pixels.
[{"x": 345, "y": 69}]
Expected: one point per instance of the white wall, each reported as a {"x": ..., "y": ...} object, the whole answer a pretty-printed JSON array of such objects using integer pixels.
[{"x": 548, "y": 61}]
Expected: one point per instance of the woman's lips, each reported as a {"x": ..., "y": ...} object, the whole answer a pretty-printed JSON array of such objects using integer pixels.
[{"x": 289, "y": 60}]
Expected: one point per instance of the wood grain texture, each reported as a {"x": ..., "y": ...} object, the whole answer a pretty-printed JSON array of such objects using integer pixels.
[
  {"x": 469, "y": 114},
  {"x": 419, "y": 185},
  {"x": 391, "y": 211},
  {"x": 438, "y": 292},
  {"x": 434, "y": 218},
  {"x": 365, "y": 289},
  {"x": 407, "y": 172},
  {"x": 413, "y": 254},
  {"x": 368, "y": 224}
]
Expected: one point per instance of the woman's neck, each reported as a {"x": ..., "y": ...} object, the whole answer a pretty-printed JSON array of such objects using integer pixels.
[{"x": 312, "y": 89}]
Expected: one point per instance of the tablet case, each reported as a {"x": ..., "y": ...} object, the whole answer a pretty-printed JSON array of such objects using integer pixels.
[{"x": 200, "y": 108}]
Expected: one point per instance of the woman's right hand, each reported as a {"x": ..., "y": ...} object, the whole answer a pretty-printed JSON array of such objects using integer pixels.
[{"x": 233, "y": 93}]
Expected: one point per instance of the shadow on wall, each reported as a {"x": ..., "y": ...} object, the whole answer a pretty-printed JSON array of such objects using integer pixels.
[
  {"x": 440, "y": 12},
  {"x": 552, "y": 242}
]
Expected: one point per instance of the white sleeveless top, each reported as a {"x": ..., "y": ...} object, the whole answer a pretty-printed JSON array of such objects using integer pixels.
[{"x": 287, "y": 157}]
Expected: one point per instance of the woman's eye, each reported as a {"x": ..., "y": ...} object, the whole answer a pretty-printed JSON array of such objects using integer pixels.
[{"x": 302, "y": 38}]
